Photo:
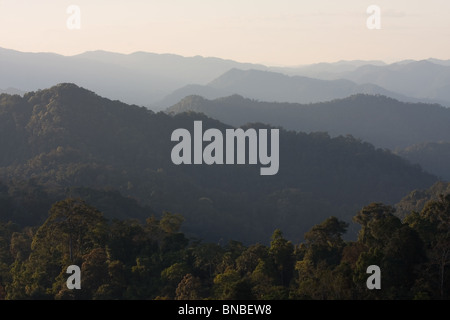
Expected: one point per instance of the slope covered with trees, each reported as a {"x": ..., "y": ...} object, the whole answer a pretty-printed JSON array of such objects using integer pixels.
[
  {"x": 125, "y": 259},
  {"x": 382, "y": 121},
  {"x": 432, "y": 156},
  {"x": 68, "y": 138}
]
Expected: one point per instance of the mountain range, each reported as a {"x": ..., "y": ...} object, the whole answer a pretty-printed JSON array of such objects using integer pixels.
[
  {"x": 139, "y": 78},
  {"x": 276, "y": 87},
  {"x": 426, "y": 81},
  {"x": 68, "y": 137},
  {"x": 158, "y": 81},
  {"x": 417, "y": 79},
  {"x": 382, "y": 121},
  {"x": 418, "y": 132}
]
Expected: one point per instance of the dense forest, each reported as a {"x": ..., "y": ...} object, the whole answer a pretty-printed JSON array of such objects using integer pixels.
[
  {"x": 126, "y": 259},
  {"x": 382, "y": 121},
  {"x": 418, "y": 132},
  {"x": 67, "y": 137},
  {"x": 88, "y": 181}
]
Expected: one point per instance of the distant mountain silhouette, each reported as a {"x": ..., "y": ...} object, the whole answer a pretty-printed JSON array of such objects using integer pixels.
[
  {"x": 205, "y": 91},
  {"x": 426, "y": 79},
  {"x": 138, "y": 78},
  {"x": 439, "y": 61},
  {"x": 69, "y": 137},
  {"x": 276, "y": 87},
  {"x": 326, "y": 70},
  {"x": 158, "y": 81},
  {"x": 12, "y": 91},
  {"x": 383, "y": 121}
]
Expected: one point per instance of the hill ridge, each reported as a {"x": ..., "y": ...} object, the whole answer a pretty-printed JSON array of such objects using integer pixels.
[{"x": 69, "y": 137}]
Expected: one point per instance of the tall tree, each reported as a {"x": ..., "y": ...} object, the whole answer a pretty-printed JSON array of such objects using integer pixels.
[
  {"x": 377, "y": 222},
  {"x": 189, "y": 288},
  {"x": 282, "y": 253},
  {"x": 71, "y": 231},
  {"x": 433, "y": 225},
  {"x": 324, "y": 241}
]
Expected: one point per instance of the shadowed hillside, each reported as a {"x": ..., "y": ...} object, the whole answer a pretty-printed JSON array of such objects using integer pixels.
[{"x": 66, "y": 137}]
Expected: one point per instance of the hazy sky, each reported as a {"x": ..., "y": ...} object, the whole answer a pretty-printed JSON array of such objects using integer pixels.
[{"x": 274, "y": 32}]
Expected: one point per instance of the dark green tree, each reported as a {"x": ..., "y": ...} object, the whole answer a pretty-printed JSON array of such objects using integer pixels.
[
  {"x": 433, "y": 226},
  {"x": 72, "y": 230},
  {"x": 324, "y": 242},
  {"x": 282, "y": 253}
]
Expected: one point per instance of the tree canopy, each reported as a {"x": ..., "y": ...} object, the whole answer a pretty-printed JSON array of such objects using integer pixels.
[{"x": 128, "y": 259}]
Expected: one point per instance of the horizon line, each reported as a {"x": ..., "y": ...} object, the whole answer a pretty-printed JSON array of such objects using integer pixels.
[{"x": 269, "y": 65}]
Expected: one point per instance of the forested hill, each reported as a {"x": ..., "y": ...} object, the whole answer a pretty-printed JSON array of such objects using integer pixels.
[
  {"x": 67, "y": 136},
  {"x": 382, "y": 121}
]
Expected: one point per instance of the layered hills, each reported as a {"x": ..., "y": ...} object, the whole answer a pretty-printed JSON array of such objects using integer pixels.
[
  {"x": 382, "y": 121},
  {"x": 67, "y": 137}
]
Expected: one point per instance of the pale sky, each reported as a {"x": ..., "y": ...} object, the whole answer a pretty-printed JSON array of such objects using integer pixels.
[{"x": 272, "y": 32}]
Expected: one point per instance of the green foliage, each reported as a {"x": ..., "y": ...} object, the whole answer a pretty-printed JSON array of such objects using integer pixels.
[
  {"x": 433, "y": 226},
  {"x": 131, "y": 260},
  {"x": 84, "y": 177},
  {"x": 189, "y": 288},
  {"x": 378, "y": 223},
  {"x": 416, "y": 200},
  {"x": 324, "y": 241},
  {"x": 281, "y": 251},
  {"x": 66, "y": 141}
]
